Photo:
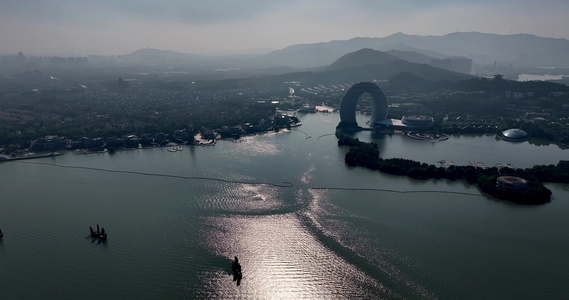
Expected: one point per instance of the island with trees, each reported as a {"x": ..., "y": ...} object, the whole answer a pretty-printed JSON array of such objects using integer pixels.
[{"x": 367, "y": 155}]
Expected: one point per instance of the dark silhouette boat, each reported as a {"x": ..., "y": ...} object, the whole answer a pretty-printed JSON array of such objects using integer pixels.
[
  {"x": 236, "y": 267},
  {"x": 1, "y": 234},
  {"x": 99, "y": 234}
]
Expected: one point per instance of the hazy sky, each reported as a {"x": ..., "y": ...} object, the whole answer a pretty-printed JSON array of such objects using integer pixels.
[{"x": 82, "y": 27}]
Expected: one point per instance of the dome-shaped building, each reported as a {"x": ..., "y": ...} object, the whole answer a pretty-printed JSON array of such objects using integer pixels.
[{"x": 515, "y": 134}]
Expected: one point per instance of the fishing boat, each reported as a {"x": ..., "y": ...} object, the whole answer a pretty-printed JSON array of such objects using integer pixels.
[
  {"x": 99, "y": 234},
  {"x": 236, "y": 267}
]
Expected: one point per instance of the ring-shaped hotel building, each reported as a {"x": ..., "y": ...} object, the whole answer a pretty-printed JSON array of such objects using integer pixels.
[{"x": 349, "y": 103}]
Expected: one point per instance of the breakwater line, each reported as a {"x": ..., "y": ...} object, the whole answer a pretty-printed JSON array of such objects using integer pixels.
[
  {"x": 328, "y": 134},
  {"x": 285, "y": 184},
  {"x": 306, "y": 134},
  {"x": 394, "y": 191}
]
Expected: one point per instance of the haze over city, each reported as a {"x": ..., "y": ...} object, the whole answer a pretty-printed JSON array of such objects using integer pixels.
[
  {"x": 219, "y": 27},
  {"x": 314, "y": 149}
]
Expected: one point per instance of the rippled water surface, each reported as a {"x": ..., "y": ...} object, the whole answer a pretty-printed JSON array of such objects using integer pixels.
[{"x": 303, "y": 225}]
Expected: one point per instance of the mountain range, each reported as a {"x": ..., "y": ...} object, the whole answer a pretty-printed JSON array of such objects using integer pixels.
[
  {"x": 518, "y": 50},
  {"x": 362, "y": 65}
]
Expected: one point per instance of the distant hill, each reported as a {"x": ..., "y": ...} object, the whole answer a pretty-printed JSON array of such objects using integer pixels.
[
  {"x": 361, "y": 65},
  {"x": 519, "y": 50},
  {"x": 483, "y": 48},
  {"x": 322, "y": 54},
  {"x": 215, "y": 66},
  {"x": 386, "y": 71},
  {"x": 457, "y": 64},
  {"x": 411, "y": 56},
  {"x": 368, "y": 64},
  {"x": 307, "y": 55},
  {"x": 365, "y": 56},
  {"x": 405, "y": 48}
]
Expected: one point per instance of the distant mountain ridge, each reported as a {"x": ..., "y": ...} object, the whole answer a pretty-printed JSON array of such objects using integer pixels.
[
  {"x": 457, "y": 64},
  {"x": 362, "y": 65},
  {"x": 368, "y": 64},
  {"x": 365, "y": 56},
  {"x": 519, "y": 50},
  {"x": 411, "y": 56},
  {"x": 482, "y": 48}
]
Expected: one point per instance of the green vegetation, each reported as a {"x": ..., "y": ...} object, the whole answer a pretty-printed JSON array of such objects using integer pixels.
[
  {"x": 490, "y": 106},
  {"x": 366, "y": 155},
  {"x": 362, "y": 154},
  {"x": 535, "y": 194}
]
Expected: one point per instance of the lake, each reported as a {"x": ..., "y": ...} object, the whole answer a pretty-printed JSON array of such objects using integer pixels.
[{"x": 303, "y": 224}]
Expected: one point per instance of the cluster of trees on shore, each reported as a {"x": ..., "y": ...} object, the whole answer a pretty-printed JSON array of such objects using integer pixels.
[
  {"x": 557, "y": 132},
  {"x": 366, "y": 155}
]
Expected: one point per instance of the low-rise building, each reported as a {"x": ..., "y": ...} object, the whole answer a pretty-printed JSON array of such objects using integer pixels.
[{"x": 49, "y": 143}]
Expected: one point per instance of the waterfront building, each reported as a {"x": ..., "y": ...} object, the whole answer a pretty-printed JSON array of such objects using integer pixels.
[
  {"x": 132, "y": 141},
  {"x": 115, "y": 142},
  {"x": 378, "y": 110},
  {"x": 349, "y": 104},
  {"x": 511, "y": 183},
  {"x": 515, "y": 135},
  {"x": 49, "y": 143}
]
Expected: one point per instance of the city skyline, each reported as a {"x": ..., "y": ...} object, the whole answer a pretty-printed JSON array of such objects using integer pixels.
[{"x": 219, "y": 27}]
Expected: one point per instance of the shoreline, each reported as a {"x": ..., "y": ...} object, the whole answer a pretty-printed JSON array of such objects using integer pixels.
[{"x": 32, "y": 156}]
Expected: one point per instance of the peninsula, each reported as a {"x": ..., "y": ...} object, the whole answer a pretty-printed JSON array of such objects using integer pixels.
[{"x": 488, "y": 179}]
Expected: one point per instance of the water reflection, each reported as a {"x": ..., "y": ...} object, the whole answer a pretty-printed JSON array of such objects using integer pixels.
[
  {"x": 282, "y": 259},
  {"x": 179, "y": 220}
]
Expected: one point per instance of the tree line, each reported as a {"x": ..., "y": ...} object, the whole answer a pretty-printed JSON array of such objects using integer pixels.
[{"x": 367, "y": 155}]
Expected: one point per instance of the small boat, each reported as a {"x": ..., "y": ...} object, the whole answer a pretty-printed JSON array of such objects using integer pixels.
[
  {"x": 99, "y": 234},
  {"x": 236, "y": 267},
  {"x": 1, "y": 234},
  {"x": 176, "y": 148}
]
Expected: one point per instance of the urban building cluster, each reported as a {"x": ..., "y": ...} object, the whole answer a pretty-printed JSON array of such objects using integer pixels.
[
  {"x": 39, "y": 103},
  {"x": 21, "y": 61},
  {"x": 45, "y": 114}
]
